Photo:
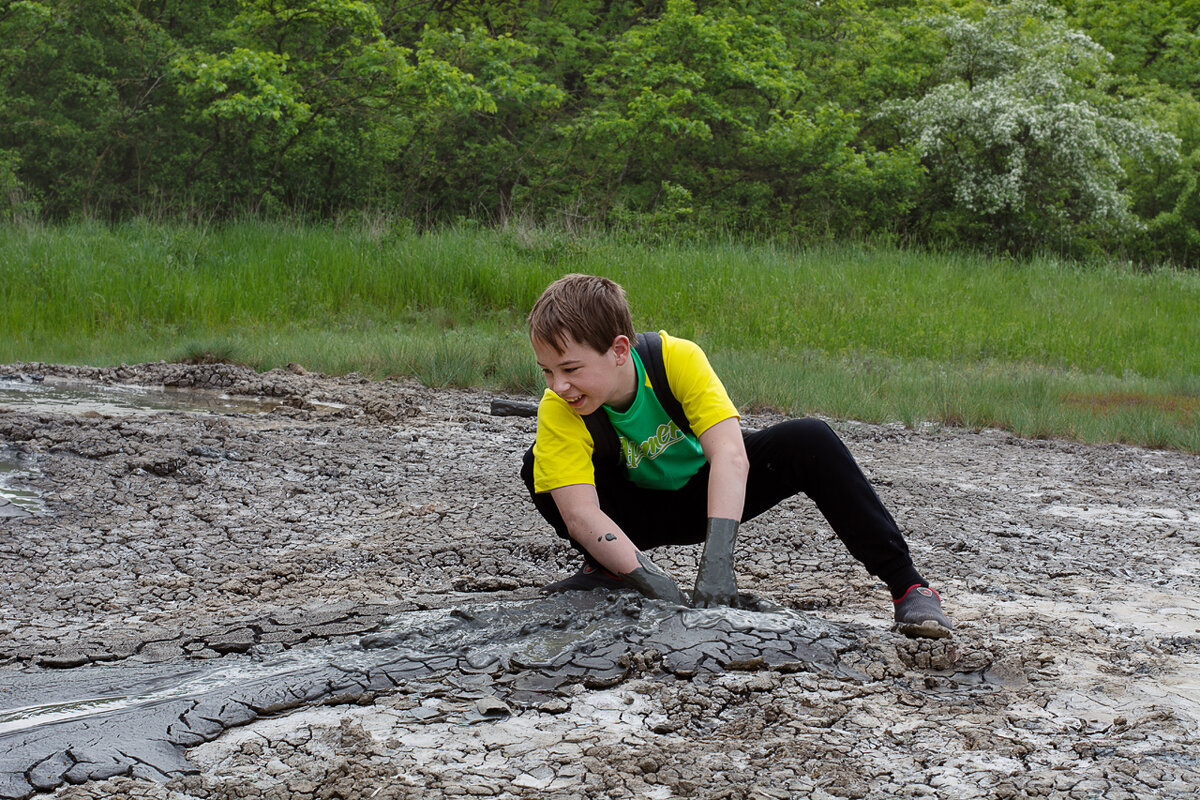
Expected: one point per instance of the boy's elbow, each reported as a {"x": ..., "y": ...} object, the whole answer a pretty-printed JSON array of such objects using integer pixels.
[
  {"x": 579, "y": 521},
  {"x": 733, "y": 462},
  {"x": 741, "y": 463},
  {"x": 575, "y": 524}
]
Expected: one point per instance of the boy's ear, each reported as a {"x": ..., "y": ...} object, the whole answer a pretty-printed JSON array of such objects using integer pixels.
[{"x": 621, "y": 348}]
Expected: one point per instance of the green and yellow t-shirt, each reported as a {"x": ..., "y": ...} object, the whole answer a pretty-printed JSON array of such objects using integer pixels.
[{"x": 655, "y": 452}]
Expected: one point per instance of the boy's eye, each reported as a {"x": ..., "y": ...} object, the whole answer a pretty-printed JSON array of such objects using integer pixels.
[{"x": 569, "y": 370}]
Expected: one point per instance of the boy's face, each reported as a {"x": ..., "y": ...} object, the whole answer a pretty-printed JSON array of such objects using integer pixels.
[{"x": 587, "y": 379}]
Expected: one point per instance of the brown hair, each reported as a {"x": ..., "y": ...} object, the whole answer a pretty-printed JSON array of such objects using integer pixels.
[{"x": 591, "y": 309}]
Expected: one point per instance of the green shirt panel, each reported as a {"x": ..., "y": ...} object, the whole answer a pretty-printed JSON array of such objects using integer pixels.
[{"x": 655, "y": 452}]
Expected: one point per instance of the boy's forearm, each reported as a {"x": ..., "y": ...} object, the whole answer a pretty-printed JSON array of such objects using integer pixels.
[
  {"x": 594, "y": 530},
  {"x": 619, "y": 555},
  {"x": 608, "y": 544},
  {"x": 716, "y": 584},
  {"x": 728, "y": 469},
  {"x": 726, "y": 490}
]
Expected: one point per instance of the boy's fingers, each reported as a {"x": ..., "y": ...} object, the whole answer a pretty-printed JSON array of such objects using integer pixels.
[
  {"x": 714, "y": 589},
  {"x": 715, "y": 582},
  {"x": 650, "y": 580}
]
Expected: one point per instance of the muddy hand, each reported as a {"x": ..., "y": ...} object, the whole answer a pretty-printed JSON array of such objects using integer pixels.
[
  {"x": 650, "y": 580},
  {"x": 715, "y": 583}
]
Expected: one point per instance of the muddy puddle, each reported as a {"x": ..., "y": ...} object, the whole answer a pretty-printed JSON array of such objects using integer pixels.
[
  {"x": 543, "y": 633},
  {"x": 38, "y": 394},
  {"x": 60, "y": 395},
  {"x": 15, "y": 499}
]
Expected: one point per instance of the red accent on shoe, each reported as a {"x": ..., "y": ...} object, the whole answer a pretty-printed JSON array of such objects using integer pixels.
[
  {"x": 925, "y": 590},
  {"x": 588, "y": 569}
]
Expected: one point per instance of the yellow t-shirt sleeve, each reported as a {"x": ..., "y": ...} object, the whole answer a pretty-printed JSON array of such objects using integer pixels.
[
  {"x": 694, "y": 383},
  {"x": 562, "y": 451}
]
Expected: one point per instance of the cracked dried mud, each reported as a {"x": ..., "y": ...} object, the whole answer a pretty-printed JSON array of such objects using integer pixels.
[{"x": 295, "y": 586}]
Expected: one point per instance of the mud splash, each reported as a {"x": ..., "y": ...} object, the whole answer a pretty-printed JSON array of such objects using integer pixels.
[{"x": 97, "y": 722}]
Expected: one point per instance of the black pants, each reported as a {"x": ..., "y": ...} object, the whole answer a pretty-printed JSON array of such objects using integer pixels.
[{"x": 803, "y": 455}]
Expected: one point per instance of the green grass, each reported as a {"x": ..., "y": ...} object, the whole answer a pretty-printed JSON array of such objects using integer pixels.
[{"x": 1042, "y": 348}]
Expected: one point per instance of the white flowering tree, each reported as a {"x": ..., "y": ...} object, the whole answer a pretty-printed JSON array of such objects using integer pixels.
[{"x": 1023, "y": 144}]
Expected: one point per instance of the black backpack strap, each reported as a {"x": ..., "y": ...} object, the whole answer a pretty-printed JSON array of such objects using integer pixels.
[
  {"x": 606, "y": 446},
  {"x": 650, "y": 348},
  {"x": 604, "y": 437}
]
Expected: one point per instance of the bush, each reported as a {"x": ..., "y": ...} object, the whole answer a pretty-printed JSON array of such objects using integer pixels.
[{"x": 1023, "y": 145}]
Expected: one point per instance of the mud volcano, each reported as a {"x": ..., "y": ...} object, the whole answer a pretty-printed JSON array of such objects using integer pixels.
[
  {"x": 332, "y": 592},
  {"x": 103, "y": 721}
]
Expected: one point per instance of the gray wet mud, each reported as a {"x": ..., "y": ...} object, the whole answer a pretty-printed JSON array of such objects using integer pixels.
[
  {"x": 106, "y": 720},
  {"x": 16, "y": 470},
  {"x": 336, "y": 595},
  {"x": 38, "y": 393}
]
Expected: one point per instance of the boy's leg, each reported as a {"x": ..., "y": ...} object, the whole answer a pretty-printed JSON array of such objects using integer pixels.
[
  {"x": 795, "y": 456},
  {"x": 806, "y": 456}
]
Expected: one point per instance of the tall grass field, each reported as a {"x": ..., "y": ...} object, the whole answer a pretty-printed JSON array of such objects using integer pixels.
[{"x": 1039, "y": 347}]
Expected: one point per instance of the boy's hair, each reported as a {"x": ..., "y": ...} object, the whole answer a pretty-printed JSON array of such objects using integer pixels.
[{"x": 591, "y": 309}]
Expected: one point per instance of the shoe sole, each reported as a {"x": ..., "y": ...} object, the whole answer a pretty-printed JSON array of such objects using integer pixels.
[
  {"x": 923, "y": 630},
  {"x": 608, "y": 587}
]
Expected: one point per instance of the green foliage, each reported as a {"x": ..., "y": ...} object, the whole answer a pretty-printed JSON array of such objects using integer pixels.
[
  {"x": 1174, "y": 235},
  {"x": 1009, "y": 126},
  {"x": 1023, "y": 144},
  {"x": 1156, "y": 40},
  {"x": 827, "y": 185},
  {"x": 676, "y": 97},
  {"x": 470, "y": 161},
  {"x": 77, "y": 84},
  {"x": 708, "y": 104},
  {"x": 304, "y": 85},
  {"x": 16, "y": 204}
]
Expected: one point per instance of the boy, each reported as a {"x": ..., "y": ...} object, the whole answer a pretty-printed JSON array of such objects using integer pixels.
[{"x": 682, "y": 471}]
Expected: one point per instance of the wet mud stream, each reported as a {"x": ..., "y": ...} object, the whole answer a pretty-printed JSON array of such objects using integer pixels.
[
  {"x": 47, "y": 395},
  {"x": 14, "y": 501},
  {"x": 104, "y": 720},
  {"x": 310, "y": 587},
  {"x": 38, "y": 395}
]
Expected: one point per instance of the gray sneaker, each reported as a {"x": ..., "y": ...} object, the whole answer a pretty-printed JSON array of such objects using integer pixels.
[
  {"x": 919, "y": 613},
  {"x": 590, "y": 576}
]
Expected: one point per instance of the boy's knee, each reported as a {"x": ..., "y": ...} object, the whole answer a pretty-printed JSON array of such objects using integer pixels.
[
  {"x": 527, "y": 470},
  {"x": 809, "y": 432}
]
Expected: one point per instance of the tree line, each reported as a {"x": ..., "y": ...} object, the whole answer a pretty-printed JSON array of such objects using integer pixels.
[{"x": 1009, "y": 126}]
